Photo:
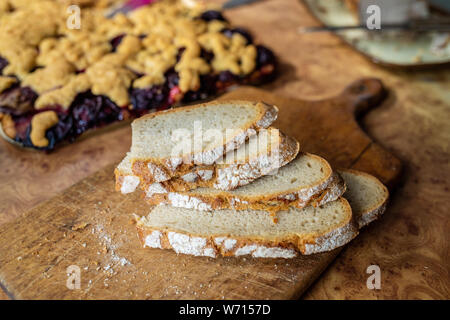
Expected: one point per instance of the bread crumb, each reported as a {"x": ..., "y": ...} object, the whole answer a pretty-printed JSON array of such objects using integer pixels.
[
  {"x": 79, "y": 226},
  {"x": 40, "y": 123}
]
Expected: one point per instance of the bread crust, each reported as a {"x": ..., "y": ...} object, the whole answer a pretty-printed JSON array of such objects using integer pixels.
[
  {"x": 371, "y": 216},
  {"x": 223, "y": 176},
  {"x": 285, "y": 247},
  {"x": 329, "y": 190},
  {"x": 167, "y": 168},
  {"x": 376, "y": 210}
]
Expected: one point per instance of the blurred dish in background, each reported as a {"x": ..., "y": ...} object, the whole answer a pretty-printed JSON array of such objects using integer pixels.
[{"x": 399, "y": 48}]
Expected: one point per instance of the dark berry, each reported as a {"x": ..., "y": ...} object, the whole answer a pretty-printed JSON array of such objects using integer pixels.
[
  {"x": 61, "y": 131},
  {"x": 151, "y": 98},
  {"x": 206, "y": 55},
  {"x": 172, "y": 78},
  {"x": 3, "y": 64},
  {"x": 26, "y": 140},
  {"x": 90, "y": 111},
  {"x": 264, "y": 56},
  {"x": 54, "y": 135},
  {"x": 227, "y": 77},
  {"x": 212, "y": 15},
  {"x": 207, "y": 89},
  {"x": 17, "y": 100},
  {"x": 180, "y": 53},
  {"x": 115, "y": 42}
]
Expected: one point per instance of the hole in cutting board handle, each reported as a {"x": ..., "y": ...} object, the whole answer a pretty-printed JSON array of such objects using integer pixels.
[{"x": 364, "y": 94}]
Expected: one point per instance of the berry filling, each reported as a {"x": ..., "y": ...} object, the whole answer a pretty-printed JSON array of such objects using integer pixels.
[
  {"x": 3, "y": 64},
  {"x": 17, "y": 100},
  {"x": 212, "y": 15},
  {"x": 114, "y": 42},
  {"x": 91, "y": 111},
  {"x": 149, "y": 99}
]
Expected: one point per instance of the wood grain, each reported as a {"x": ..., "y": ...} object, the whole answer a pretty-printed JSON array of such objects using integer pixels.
[
  {"x": 413, "y": 123},
  {"x": 411, "y": 244},
  {"x": 36, "y": 250},
  {"x": 31, "y": 177}
]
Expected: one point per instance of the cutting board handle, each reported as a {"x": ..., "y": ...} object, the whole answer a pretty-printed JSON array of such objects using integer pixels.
[{"x": 363, "y": 94}]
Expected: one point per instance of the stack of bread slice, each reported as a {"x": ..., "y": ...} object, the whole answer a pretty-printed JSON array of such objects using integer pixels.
[{"x": 222, "y": 181}]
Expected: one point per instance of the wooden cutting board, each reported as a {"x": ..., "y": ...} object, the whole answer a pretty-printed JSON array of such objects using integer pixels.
[{"x": 89, "y": 225}]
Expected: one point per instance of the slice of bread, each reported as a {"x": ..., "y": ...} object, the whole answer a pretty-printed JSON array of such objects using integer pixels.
[
  {"x": 261, "y": 155},
  {"x": 248, "y": 232},
  {"x": 307, "y": 179},
  {"x": 367, "y": 196},
  {"x": 152, "y": 135},
  {"x": 196, "y": 135},
  {"x": 126, "y": 181}
]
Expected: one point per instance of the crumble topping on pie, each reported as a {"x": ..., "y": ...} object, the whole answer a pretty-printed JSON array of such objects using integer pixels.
[
  {"x": 146, "y": 60},
  {"x": 50, "y": 77},
  {"x": 39, "y": 125},
  {"x": 62, "y": 52},
  {"x": 108, "y": 77},
  {"x": 80, "y": 49},
  {"x": 64, "y": 95}
]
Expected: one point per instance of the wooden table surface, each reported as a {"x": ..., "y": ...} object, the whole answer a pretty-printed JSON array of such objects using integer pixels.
[{"x": 410, "y": 243}]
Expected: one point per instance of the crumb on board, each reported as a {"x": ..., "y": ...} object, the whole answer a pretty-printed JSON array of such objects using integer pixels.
[{"x": 79, "y": 226}]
